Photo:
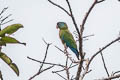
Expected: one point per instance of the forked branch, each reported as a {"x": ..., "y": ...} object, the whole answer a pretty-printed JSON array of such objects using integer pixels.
[{"x": 40, "y": 69}]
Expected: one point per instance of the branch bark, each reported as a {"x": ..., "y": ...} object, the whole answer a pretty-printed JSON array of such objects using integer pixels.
[
  {"x": 1, "y": 75},
  {"x": 110, "y": 77},
  {"x": 104, "y": 64},
  {"x": 38, "y": 73},
  {"x": 81, "y": 39}
]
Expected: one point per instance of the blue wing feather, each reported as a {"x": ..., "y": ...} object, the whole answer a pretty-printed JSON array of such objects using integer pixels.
[{"x": 68, "y": 44}]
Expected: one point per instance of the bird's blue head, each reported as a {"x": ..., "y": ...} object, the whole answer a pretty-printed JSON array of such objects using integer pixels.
[{"x": 62, "y": 25}]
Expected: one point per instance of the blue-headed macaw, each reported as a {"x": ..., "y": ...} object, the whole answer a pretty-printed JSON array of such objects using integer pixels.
[{"x": 67, "y": 38}]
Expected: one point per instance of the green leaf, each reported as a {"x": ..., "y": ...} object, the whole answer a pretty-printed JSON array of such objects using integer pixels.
[
  {"x": 2, "y": 43},
  {"x": 15, "y": 68},
  {"x": 7, "y": 60},
  {"x": 10, "y": 29},
  {"x": 7, "y": 39}
]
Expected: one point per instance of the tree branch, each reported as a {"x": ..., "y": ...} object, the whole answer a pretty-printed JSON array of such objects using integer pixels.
[
  {"x": 42, "y": 63},
  {"x": 116, "y": 72},
  {"x": 1, "y": 75},
  {"x": 46, "y": 69},
  {"x": 67, "y": 54},
  {"x": 89, "y": 62},
  {"x": 46, "y": 62},
  {"x": 81, "y": 39},
  {"x": 64, "y": 69},
  {"x": 61, "y": 76},
  {"x": 109, "y": 44},
  {"x": 59, "y": 7},
  {"x": 104, "y": 64},
  {"x": 67, "y": 69},
  {"x": 110, "y": 77}
]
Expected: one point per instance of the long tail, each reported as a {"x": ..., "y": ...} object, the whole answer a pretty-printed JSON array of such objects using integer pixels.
[{"x": 76, "y": 52}]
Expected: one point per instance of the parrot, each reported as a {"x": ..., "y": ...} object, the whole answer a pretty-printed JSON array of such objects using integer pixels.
[{"x": 67, "y": 38}]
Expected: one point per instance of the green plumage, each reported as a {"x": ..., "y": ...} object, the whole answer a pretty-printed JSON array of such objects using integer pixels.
[{"x": 67, "y": 38}]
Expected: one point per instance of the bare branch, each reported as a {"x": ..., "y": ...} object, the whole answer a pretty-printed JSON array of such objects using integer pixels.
[
  {"x": 46, "y": 69},
  {"x": 109, "y": 44},
  {"x": 42, "y": 63},
  {"x": 59, "y": 7},
  {"x": 64, "y": 69},
  {"x": 1, "y": 75},
  {"x": 72, "y": 16},
  {"x": 67, "y": 70},
  {"x": 116, "y": 72},
  {"x": 67, "y": 54},
  {"x": 81, "y": 39},
  {"x": 87, "y": 14},
  {"x": 44, "y": 41},
  {"x": 110, "y": 77},
  {"x": 104, "y": 64},
  {"x": 100, "y": 1},
  {"x": 59, "y": 49},
  {"x": 88, "y": 36},
  {"x": 46, "y": 62},
  {"x": 61, "y": 76}
]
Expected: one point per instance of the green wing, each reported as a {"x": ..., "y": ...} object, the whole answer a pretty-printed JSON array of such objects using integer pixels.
[{"x": 68, "y": 39}]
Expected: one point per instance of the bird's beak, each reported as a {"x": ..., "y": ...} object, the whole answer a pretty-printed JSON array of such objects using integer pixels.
[{"x": 57, "y": 26}]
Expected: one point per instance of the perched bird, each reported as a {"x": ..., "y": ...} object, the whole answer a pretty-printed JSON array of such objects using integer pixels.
[{"x": 67, "y": 38}]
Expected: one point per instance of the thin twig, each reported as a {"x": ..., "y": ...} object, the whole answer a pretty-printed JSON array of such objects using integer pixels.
[
  {"x": 59, "y": 7},
  {"x": 67, "y": 54},
  {"x": 81, "y": 41},
  {"x": 88, "y": 13},
  {"x": 100, "y": 1},
  {"x": 86, "y": 16},
  {"x": 88, "y": 36},
  {"x": 61, "y": 76},
  {"x": 41, "y": 64},
  {"x": 46, "y": 62},
  {"x": 1, "y": 75},
  {"x": 110, "y": 77},
  {"x": 76, "y": 27},
  {"x": 116, "y": 72},
  {"x": 67, "y": 70},
  {"x": 46, "y": 69},
  {"x": 104, "y": 64},
  {"x": 109, "y": 44},
  {"x": 59, "y": 49},
  {"x": 72, "y": 16},
  {"x": 64, "y": 69}
]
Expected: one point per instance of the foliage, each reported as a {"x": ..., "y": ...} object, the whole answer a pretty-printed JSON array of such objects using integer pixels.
[{"x": 9, "y": 40}]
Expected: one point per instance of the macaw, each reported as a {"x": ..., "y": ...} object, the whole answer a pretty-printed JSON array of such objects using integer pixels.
[{"x": 67, "y": 38}]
